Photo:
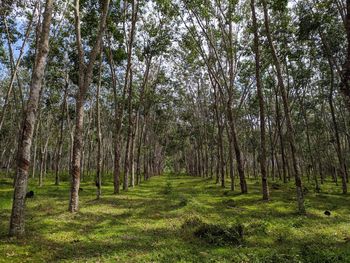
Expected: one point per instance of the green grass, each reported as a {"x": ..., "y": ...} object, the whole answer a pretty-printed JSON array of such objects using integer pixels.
[{"x": 146, "y": 224}]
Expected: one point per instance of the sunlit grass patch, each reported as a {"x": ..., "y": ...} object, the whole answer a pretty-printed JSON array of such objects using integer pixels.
[{"x": 146, "y": 224}]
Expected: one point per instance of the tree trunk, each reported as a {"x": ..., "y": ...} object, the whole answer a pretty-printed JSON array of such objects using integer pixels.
[
  {"x": 60, "y": 137},
  {"x": 230, "y": 156},
  {"x": 14, "y": 67},
  {"x": 99, "y": 136},
  {"x": 85, "y": 76},
  {"x": 290, "y": 128},
  {"x": 336, "y": 133},
  {"x": 35, "y": 146},
  {"x": 18, "y": 205},
  {"x": 128, "y": 87},
  {"x": 265, "y": 188}
]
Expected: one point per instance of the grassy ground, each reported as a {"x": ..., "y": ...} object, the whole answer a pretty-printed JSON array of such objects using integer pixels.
[{"x": 154, "y": 223}]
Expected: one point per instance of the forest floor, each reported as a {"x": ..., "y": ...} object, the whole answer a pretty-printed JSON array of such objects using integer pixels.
[{"x": 178, "y": 219}]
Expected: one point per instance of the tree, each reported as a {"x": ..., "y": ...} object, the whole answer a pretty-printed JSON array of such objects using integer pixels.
[
  {"x": 84, "y": 80},
  {"x": 21, "y": 180},
  {"x": 259, "y": 88},
  {"x": 290, "y": 128}
]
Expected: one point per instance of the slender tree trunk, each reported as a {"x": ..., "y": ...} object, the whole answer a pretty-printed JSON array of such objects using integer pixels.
[
  {"x": 145, "y": 163},
  {"x": 35, "y": 146},
  {"x": 308, "y": 140},
  {"x": 60, "y": 137},
  {"x": 290, "y": 128},
  {"x": 265, "y": 188},
  {"x": 76, "y": 156},
  {"x": 16, "y": 66},
  {"x": 118, "y": 115},
  {"x": 274, "y": 159},
  {"x": 207, "y": 161},
  {"x": 230, "y": 156},
  {"x": 231, "y": 121},
  {"x": 336, "y": 134},
  {"x": 86, "y": 136},
  {"x": 43, "y": 155},
  {"x": 41, "y": 166},
  {"x": 116, "y": 167},
  {"x": 99, "y": 136},
  {"x": 280, "y": 135},
  {"x": 220, "y": 162},
  {"x": 18, "y": 205},
  {"x": 211, "y": 162},
  {"x": 138, "y": 155},
  {"x": 132, "y": 155},
  {"x": 128, "y": 87},
  {"x": 127, "y": 163},
  {"x": 85, "y": 76},
  {"x": 239, "y": 161}
]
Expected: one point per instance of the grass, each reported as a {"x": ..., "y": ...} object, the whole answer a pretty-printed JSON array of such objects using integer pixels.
[{"x": 154, "y": 223}]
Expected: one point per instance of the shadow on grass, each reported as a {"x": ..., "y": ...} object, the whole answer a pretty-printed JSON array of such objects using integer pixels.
[{"x": 144, "y": 224}]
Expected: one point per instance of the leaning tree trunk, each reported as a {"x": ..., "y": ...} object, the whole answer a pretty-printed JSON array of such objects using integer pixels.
[
  {"x": 14, "y": 66},
  {"x": 18, "y": 205},
  {"x": 238, "y": 154},
  {"x": 290, "y": 128},
  {"x": 342, "y": 167}
]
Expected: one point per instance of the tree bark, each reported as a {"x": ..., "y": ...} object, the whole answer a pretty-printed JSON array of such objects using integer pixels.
[{"x": 18, "y": 206}]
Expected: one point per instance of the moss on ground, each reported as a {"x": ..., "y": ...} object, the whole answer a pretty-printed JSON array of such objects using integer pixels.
[{"x": 146, "y": 224}]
